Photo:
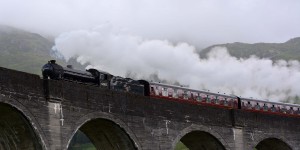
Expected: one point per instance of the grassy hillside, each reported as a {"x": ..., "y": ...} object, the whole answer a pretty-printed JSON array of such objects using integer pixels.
[
  {"x": 275, "y": 51},
  {"x": 25, "y": 51}
]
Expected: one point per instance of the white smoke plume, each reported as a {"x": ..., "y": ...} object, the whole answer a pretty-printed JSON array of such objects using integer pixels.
[{"x": 118, "y": 52}]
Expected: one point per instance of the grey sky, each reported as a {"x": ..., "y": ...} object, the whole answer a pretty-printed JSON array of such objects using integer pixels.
[
  {"x": 163, "y": 35},
  {"x": 198, "y": 22}
]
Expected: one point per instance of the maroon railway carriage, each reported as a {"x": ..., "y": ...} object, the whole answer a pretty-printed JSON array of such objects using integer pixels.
[{"x": 187, "y": 95}]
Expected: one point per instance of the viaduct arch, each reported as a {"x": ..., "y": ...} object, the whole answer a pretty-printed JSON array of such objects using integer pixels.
[
  {"x": 273, "y": 143},
  {"x": 18, "y": 127},
  {"x": 106, "y": 131},
  {"x": 201, "y": 138}
]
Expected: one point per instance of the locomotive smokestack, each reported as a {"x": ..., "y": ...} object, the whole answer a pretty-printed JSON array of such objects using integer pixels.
[{"x": 52, "y": 61}]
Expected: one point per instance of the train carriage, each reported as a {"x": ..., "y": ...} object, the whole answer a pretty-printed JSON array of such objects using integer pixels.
[{"x": 184, "y": 94}]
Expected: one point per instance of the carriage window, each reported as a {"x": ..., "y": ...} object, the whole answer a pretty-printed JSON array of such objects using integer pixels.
[
  {"x": 212, "y": 98},
  {"x": 185, "y": 95},
  {"x": 198, "y": 97},
  {"x": 265, "y": 107},
  {"x": 284, "y": 110},
  {"x": 230, "y": 101},
  {"x": 160, "y": 90},
  {"x": 257, "y": 106},
  {"x": 170, "y": 92},
  {"x": 193, "y": 96},
  {"x": 190, "y": 95},
  {"x": 203, "y": 97},
  {"x": 221, "y": 100},
  {"x": 164, "y": 91},
  {"x": 217, "y": 101},
  {"x": 175, "y": 95},
  {"x": 152, "y": 90},
  {"x": 273, "y": 109},
  {"x": 179, "y": 93},
  {"x": 208, "y": 100},
  {"x": 156, "y": 90},
  {"x": 225, "y": 102},
  {"x": 249, "y": 106},
  {"x": 291, "y": 111}
]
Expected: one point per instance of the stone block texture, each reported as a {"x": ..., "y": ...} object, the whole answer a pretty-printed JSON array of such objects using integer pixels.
[{"x": 45, "y": 114}]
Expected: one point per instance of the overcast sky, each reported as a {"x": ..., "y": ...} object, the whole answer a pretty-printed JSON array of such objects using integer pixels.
[
  {"x": 197, "y": 22},
  {"x": 161, "y": 36}
]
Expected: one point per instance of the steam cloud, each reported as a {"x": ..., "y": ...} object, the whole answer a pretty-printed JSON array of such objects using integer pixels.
[{"x": 118, "y": 52}]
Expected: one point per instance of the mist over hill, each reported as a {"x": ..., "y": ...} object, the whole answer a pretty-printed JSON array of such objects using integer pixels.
[
  {"x": 22, "y": 50},
  {"x": 289, "y": 50}
]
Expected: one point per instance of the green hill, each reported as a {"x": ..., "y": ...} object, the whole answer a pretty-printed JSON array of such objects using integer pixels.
[
  {"x": 289, "y": 50},
  {"x": 25, "y": 51},
  {"x": 22, "y": 50}
]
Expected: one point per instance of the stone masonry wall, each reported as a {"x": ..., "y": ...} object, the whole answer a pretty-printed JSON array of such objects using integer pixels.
[{"x": 57, "y": 109}]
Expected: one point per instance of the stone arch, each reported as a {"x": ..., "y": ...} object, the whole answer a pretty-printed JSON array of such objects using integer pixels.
[
  {"x": 21, "y": 124},
  {"x": 273, "y": 143},
  {"x": 191, "y": 136},
  {"x": 102, "y": 119}
]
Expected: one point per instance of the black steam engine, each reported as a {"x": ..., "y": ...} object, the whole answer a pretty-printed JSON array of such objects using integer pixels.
[
  {"x": 164, "y": 91},
  {"x": 91, "y": 76}
]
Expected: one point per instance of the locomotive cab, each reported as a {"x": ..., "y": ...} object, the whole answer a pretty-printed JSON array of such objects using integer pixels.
[
  {"x": 105, "y": 79},
  {"x": 102, "y": 78}
]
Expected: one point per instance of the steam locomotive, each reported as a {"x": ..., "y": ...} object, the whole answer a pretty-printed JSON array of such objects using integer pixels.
[{"x": 52, "y": 70}]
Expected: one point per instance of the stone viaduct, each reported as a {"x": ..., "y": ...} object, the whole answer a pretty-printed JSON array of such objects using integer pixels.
[{"x": 46, "y": 114}]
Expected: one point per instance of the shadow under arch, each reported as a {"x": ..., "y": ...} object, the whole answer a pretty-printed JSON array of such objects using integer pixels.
[
  {"x": 16, "y": 131},
  {"x": 106, "y": 132},
  {"x": 273, "y": 144},
  {"x": 198, "y": 137}
]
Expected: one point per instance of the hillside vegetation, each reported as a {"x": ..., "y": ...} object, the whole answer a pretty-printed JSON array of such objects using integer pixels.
[
  {"x": 289, "y": 50},
  {"x": 25, "y": 51},
  {"x": 22, "y": 50}
]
